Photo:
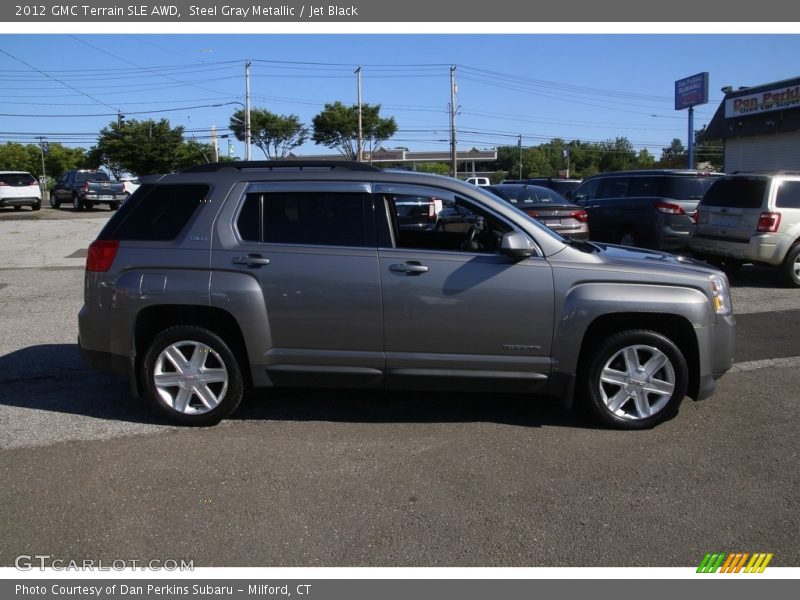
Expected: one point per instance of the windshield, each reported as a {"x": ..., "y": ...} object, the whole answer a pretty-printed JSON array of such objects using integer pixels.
[{"x": 91, "y": 176}]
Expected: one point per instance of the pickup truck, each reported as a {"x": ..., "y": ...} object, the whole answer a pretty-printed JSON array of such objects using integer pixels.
[{"x": 84, "y": 189}]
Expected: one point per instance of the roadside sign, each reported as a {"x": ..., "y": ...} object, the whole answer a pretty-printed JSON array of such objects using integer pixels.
[{"x": 691, "y": 91}]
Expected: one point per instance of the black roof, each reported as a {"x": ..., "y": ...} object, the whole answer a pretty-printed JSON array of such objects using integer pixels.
[{"x": 774, "y": 121}]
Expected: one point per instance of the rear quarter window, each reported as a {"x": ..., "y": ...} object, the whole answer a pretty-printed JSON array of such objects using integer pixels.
[
  {"x": 736, "y": 192},
  {"x": 156, "y": 212},
  {"x": 788, "y": 195}
]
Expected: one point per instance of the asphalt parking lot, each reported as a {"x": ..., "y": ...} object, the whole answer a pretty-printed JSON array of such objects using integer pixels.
[{"x": 316, "y": 478}]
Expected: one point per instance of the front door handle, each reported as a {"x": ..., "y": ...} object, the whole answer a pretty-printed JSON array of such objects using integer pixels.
[
  {"x": 251, "y": 260},
  {"x": 410, "y": 268}
]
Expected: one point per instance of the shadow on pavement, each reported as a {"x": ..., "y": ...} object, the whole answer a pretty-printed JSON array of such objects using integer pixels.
[{"x": 53, "y": 377}]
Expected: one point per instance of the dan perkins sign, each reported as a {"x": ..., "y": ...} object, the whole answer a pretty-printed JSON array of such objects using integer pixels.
[
  {"x": 691, "y": 91},
  {"x": 779, "y": 98}
]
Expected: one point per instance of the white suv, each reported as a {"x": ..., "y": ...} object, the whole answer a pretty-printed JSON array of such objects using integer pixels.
[
  {"x": 751, "y": 218},
  {"x": 18, "y": 189}
]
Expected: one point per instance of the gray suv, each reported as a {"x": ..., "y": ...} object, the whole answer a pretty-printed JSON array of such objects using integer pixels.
[{"x": 233, "y": 276}]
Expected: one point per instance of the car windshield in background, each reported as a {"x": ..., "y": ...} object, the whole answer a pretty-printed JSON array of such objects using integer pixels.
[
  {"x": 686, "y": 188},
  {"x": 527, "y": 194},
  {"x": 17, "y": 179},
  {"x": 736, "y": 192}
]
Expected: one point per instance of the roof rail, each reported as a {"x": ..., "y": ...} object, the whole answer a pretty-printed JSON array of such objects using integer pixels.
[
  {"x": 766, "y": 172},
  {"x": 347, "y": 165}
]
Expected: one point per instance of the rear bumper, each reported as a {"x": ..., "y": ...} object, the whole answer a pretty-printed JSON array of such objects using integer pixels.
[
  {"x": 768, "y": 248},
  {"x": 30, "y": 201}
]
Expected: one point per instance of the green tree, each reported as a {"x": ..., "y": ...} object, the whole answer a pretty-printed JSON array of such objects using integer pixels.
[
  {"x": 337, "y": 127},
  {"x": 618, "y": 155},
  {"x": 708, "y": 151},
  {"x": 141, "y": 147},
  {"x": 674, "y": 156},
  {"x": 28, "y": 157},
  {"x": 276, "y": 135}
]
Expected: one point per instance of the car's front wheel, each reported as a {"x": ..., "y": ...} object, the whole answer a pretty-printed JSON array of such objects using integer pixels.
[
  {"x": 635, "y": 379},
  {"x": 192, "y": 376},
  {"x": 54, "y": 201}
]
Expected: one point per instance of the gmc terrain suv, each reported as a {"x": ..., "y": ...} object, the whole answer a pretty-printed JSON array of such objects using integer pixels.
[
  {"x": 751, "y": 218},
  {"x": 259, "y": 274}
]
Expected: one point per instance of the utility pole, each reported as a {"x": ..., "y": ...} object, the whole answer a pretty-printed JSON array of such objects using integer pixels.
[
  {"x": 520, "y": 156},
  {"x": 360, "y": 126},
  {"x": 214, "y": 145},
  {"x": 691, "y": 137},
  {"x": 43, "y": 180},
  {"x": 247, "y": 132},
  {"x": 453, "y": 90}
]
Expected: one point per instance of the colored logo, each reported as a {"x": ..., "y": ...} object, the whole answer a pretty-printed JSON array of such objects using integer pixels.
[{"x": 739, "y": 562}]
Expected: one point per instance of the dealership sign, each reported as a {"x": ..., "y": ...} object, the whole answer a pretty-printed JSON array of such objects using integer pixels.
[
  {"x": 774, "y": 99},
  {"x": 691, "y": 91}
]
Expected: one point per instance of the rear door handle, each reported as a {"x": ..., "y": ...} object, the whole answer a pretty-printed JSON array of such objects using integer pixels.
[
  {"x": 411, "y": 268},
  {"x": 251, "y": 260}
]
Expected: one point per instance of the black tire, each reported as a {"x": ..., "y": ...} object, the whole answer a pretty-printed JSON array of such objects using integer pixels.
[
  {"x": 730, "y": 266},
  {"x": 790, "y": 269},
  {"x": 36, "y": 206},
  {"x": 206, "y": 355},
  {"x": 18, "y": 207},
  {"x": 113, "y": 205},
  {"x": 77, "y": 203},
  {"x": 642, "y": 399},
  {"x": 54, "y": 202},
  {"x": 628, "y": 237}
]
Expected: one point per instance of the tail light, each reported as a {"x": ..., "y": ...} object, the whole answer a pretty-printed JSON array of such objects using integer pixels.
[
  {"x": 101, "y": 255},
  {"x": 85, "y": 187},
  {"x": 668, "y": 208},
  {"x": 768, "y": 222},
  {"x": 532, "y": 213},
  {"x": 580, "y": 215},
  {"x": 696, "y": 217}
]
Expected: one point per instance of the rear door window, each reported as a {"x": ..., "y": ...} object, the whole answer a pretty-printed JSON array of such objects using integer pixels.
[
  {"x": 614, "y": 187},
  {"x": 736, "y": 192},
  {"x": 308, "y": 218},
  {"x": 788, "y": 195},
  {"x": 645, "y": 187}
]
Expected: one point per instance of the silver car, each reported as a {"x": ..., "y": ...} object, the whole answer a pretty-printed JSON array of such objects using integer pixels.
[{"x": 310, "y": 274}]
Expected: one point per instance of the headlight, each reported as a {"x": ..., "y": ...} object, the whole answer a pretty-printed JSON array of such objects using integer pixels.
[{"x": 721, "y": 294}]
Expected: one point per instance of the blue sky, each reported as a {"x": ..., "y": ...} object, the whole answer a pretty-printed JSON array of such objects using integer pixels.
[{"x": 591, "y": 87}]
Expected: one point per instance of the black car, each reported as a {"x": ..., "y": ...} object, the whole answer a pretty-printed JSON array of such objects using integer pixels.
[
  {"x": 647, "y": 208},
  {"x": 547, "y": 206},
  {"x": 562, "y": 186}
]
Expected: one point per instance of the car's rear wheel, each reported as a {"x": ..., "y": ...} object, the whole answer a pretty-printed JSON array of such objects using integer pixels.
[
  {"x": 192, "y": 376},
  {"x": 113, "y": 205},
  {"x": 36, "y": 205},
  {"x": 54, "y": 202},
  {"x": 628, "y": 237},
  {"x": 77, "y": 203},
  {"x": 635, "y": 379},
  {"x": 791, "y": 266}
]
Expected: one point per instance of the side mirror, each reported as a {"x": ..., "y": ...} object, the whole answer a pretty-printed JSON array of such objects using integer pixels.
[{"x": 515, "y": 245}]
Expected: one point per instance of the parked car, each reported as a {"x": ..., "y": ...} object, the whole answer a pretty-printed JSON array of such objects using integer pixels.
[
  {"x": 18, "y": 189},
  {"x": 751, "y": 218},
  {"x": 546, "y": 205},
  {"x": 562, "y": 186},
  {"x": 649, "y": 208},
  {"x": 297, "y": 273},
  {"x": 130, "y": 184},
  {"x": 480, "y": 181},
  {"x": 84, "y": 188}
]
